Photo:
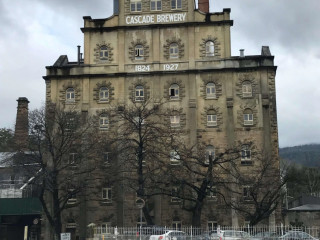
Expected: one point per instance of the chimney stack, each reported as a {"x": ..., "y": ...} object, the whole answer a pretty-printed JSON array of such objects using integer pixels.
[
  {"x": 21, "y": 129},
  {"x": 79, "y": 55},
  {"x": 203, "y": 6},
  {"x": 242, "y": 53}
]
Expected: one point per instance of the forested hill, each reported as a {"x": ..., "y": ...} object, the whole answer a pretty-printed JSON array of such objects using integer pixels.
[{"x": 307, "y": 155}]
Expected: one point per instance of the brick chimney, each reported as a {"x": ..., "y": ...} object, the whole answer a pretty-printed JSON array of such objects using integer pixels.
[
  {"x": 203, "y": 6},
  {"x": 21, "y": 129}
]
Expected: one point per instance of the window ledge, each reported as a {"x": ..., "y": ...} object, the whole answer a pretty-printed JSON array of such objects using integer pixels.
[
  {"x": 106, "y": 203},
  {"x": 211, "y": 98},
  {"x": 246, "y": 162},
  {"x": 212, "y": 199}
]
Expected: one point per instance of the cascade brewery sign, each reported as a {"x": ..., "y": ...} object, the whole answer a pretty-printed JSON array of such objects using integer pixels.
[{"x": 156, "y": 18}]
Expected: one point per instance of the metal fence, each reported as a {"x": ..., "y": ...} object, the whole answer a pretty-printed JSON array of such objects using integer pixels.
[{"x": 193, "y": 233}]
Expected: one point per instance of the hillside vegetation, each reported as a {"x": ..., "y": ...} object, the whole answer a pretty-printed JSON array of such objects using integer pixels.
[{"x": 306, "y": 155}]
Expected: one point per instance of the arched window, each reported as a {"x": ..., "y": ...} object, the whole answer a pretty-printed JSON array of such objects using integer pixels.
[
  {"x": 70, "y": 95},
  {"x": 174, "y": 50},
  {"x": 104, "y": 53},
  {"x": 104, "y": 94},
  {"x": 212, "y": 119},
  {"x": 174, "y": 158},
  {"x": 246, "y": 155},
  {"x": 210, "y": 152},
  {"x": 174, "y": 91},
  {"x": 104, "y": 121},
  {"x": 107, "y": 194},
  {"x": 247, "y": 117},
  {"x": 211, "y": 90},
  {"x": 135, "y": 5},
  {"x": 246, "y": 89},
  {"x": 176, "y": 222},
  {"x": 139, "y": 95},
  {"x": 175, "y": 121},
  {"x": 139, "y": 52},
  {"x": 209, "y": 49}
]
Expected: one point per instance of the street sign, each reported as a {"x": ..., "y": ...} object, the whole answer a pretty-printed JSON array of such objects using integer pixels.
[
  {"x": 140, "y": 203},
  {"x": 65, "y": 236}
]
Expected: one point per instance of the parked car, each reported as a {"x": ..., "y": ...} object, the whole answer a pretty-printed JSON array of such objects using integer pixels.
[
  {"x": 296, "y": 235},
  {"x": 170, "y": 235},
  {"x": 234, "y": 235},
  {"x": 209, "y": 235},
  {"x": 265, "y": 236}
]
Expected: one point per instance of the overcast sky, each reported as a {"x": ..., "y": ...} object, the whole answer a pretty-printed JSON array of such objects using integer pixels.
[{"x": 34, "y": 34}]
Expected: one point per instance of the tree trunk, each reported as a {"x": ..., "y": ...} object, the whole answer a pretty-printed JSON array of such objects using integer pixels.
[
  {"x": 196, "y": 215},
  {"x": 147, "y": 216}
]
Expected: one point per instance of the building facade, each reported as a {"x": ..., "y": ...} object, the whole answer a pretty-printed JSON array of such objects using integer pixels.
[{"x": 177, "y": 51}]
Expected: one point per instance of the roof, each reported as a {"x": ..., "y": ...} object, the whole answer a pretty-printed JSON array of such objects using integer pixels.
[{"x": 306, "y": 207}]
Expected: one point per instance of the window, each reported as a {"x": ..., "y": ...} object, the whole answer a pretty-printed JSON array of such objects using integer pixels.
[
  {"x": 175, "y": 121},
  {"x": 174, "y": 50},
  {"x": 72, "y": 196},
  {"x": 246, "y": 89},
  {"x": 139, "y": 93},
  {"x": 174, "y": 158},
  {"x": 106, "y": 158},
  {"x": 212, "y": 120},
  {"x": 209, "y": 153},
  {"x": 70, "y": 95},
  {"x": 247, "y": 117},
  {"x": 247, "y": 192},
  {"x": 104, "y": 53},
  {"x": 104, "y": 94},
  {"x": 135, "y": 5},
  {"x": 142, "y": 158},
  {"x": 211, "y": 90},
  {"x": 212, "y": 225},
  {"x": 245, "y": 154},
  {"x": 209, "y": 49},
  {"x": 72, "y": 158},
  {"x": 176, "y": 225},
  {"x": 176, "y": 4},
  {"x": 155, "y": 5},
  {"x": 104, "y": 228},
  {"x": 70, "y": 123},
  {"x": 139, "y": 52},
  {"x": 175, "y": 195},
  {"x": 107, "y": 194},
  {"x": 212, "y": 193},
  {"x": 104, "y": 121},
  {"x": 174, "y": 91},
  {"x": 139, "y": 120}
]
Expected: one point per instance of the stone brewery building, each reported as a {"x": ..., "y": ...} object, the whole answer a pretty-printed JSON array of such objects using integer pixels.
[{"x": 178, "y": 51}]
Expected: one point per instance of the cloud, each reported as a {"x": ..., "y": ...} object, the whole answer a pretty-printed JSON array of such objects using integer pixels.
[
  {"x": 288, "y": 23},
  {"x": 36, "y": 34}
]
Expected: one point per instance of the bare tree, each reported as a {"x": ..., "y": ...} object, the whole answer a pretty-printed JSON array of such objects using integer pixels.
[
  {"x": 63, "y": 149},
  {"x": 140, "y": 136},
  {"x": 197, "y": 172},
  {"x": 257, "y": 193},
  {"x": 303, "y": 180}
]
